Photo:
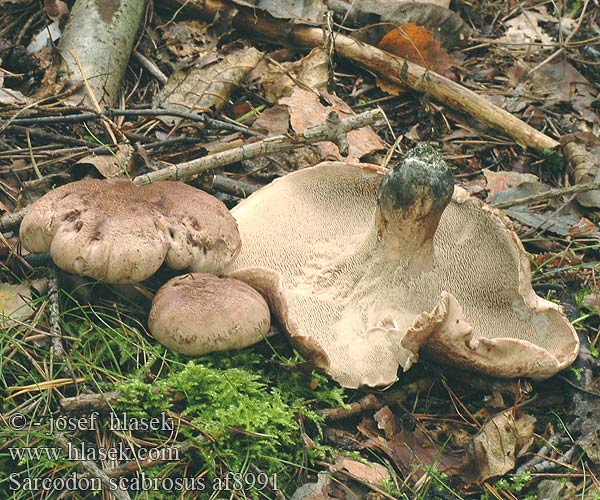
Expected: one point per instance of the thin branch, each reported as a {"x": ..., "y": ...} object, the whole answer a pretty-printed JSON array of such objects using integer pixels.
[
  {"x": 91, "y": 468},
  {"x": 111, "y": 113},
  {"x": 333, "y": 129},
  {"x": 548, "y": 195}
]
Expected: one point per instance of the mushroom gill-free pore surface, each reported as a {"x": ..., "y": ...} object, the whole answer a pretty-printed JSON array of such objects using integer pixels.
[
  {"x": 117, "y": 232},
  {"x": 322, "y": 244}
]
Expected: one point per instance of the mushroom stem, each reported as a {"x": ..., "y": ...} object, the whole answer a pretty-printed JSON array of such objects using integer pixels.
[{"x": 410, "y": 203}]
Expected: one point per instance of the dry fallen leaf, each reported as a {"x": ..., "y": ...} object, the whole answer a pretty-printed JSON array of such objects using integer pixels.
[
  {"x": 188, "y": 39},
  {"x": 411, "y": 451},
  {"x": 324, "y": 488},
  {"x": 300, "y": 88},
  {"x": 16, "y": 302},
  {"x": 524, "y": 33},
  {"x": 307, "y": 111},
  {"x": 369, "y": 472},
  {"x": 376, "y": 18},
  {"x": 501, "y": 181},
  {"x": 117, "y": 164},
  {"x": 494, "y": 449},
  {"x": 417, "y": 44}
]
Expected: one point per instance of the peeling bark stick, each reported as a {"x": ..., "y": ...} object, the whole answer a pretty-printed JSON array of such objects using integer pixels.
[
  {"x": 388, "y": 66},
  {"x": 333, "y": 129}
]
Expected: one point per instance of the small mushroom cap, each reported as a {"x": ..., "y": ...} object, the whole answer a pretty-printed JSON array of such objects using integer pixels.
[
  {"x": 114, "y": 231},
  {"x": 312, "y": 245},
  {"x": 198, "y": 313}
]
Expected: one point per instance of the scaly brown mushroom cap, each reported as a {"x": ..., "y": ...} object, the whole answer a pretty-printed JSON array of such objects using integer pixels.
[
  {"x": 199, "y": 313},
  {"x": 114, "y": 231},
  {"x": 361, "y": 276}
]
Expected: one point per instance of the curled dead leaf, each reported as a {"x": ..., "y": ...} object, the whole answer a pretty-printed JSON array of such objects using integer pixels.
[
  {"x": 494, "y": 449},
  {"x": 417, "y": 44}
]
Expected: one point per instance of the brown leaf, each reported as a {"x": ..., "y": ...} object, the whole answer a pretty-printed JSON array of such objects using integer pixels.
[
  {"x": 110, "y": 165},
  {"x": 583, "y": 228},
  {"x": 386, "y": 421},
  {"x": 412, "y": 452},
  {"x": 501, "y": 181},
  {"x": 15, "y": 302},
  {"x": 493, "y": 450},
  {"x": 523, "y": 32},
  {"x": 417, "y": 44},
  {"x": 445, "y": 25},
  {"x": 307, "y": 111},
  {"x": 305, "y": 10},
  {"x": 273, "y": 121},
  {"x": 322, "y": 489},
  {"x": 187, "y": 40},
  {"x": 582, "y": 150},
  {"x": 55, "y": 9},
  {"x": 369, "y": 472}
]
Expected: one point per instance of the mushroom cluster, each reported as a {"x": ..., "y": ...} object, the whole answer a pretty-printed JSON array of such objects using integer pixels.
[
  {"x": 365, "y": 267},
  {"x": 119, "y": 233}
]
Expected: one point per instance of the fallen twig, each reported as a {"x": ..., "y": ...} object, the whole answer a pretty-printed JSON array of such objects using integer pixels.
[
  {"x": 91, "y": 468},
  {"x": 57, "y": 350},
  {"x": 333, "y": 129},
  {"x": 548, "y": 195},
  {"x": 230, "y": 186},
  {"x": 85, "y": 403},
  {"x": 10, "y": 222},
  {"x": 368, "y": 402}
]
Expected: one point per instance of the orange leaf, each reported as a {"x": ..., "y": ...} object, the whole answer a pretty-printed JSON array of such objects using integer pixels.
[{"x": 417, "y": 45}]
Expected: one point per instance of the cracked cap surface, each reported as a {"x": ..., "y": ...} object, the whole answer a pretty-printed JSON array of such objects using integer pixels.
[{"x": 116, "y": 232}]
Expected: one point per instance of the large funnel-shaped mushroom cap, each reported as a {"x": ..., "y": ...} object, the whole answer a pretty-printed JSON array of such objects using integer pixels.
[
  {"x": 363, "y": 285},
  {"x": 199, "y": 313},
  {"x": 114, "y": 231}
]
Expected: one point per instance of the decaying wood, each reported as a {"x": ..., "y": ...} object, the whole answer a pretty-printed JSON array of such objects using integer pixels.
[
  {"x": 206, "y": 89},
  {"x": 366, "y": 403},
  {"x": 85, "y": 403},
  {"x": 10, "y": 222},
  {"x": 446, "y": 91},
  {"x": 227, "y": 185},
  {"x": 386, "y": 65},
  {"x": 334, "y": 130}
]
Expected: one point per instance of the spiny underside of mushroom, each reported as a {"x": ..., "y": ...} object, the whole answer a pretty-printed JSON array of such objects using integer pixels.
[
  {"x": 114, "y": 231},
  {"x": 363, "y": 271}
]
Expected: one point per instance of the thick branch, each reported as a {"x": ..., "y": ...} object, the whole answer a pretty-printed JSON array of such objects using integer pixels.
[{"x": 405, "y": 73}]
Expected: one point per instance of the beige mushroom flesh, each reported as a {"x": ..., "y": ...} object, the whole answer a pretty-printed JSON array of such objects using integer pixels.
[
  {"x": 198, "y": 313},
  {"x": 117, "y": 232},
  {"x": 365, "y": 267}
]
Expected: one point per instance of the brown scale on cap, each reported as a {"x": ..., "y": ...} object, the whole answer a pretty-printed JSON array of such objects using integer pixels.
[
  {"x": 116, "y": 232},
  {"x": 364, "y": 271}
]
